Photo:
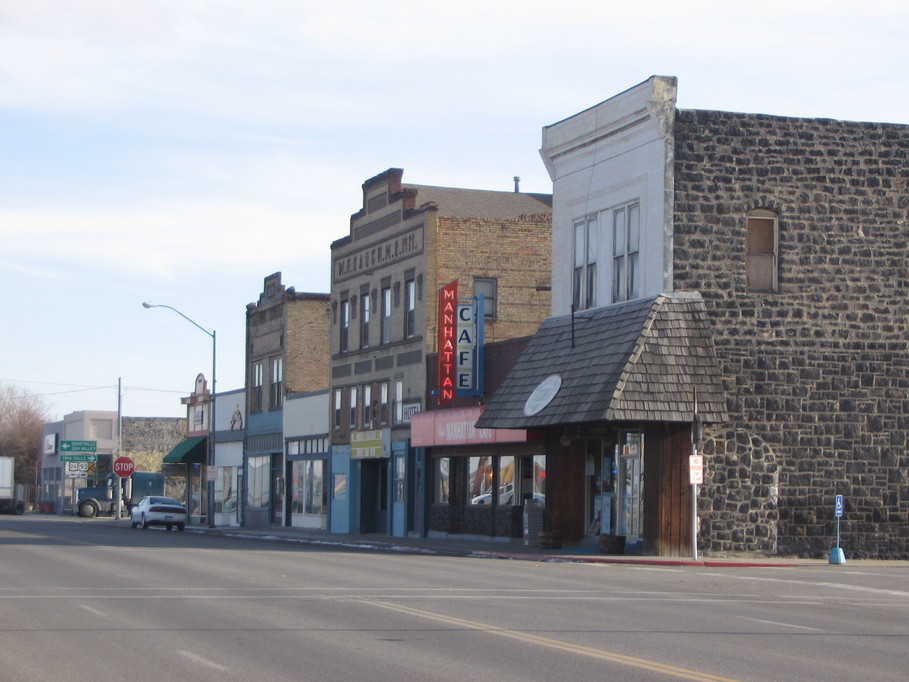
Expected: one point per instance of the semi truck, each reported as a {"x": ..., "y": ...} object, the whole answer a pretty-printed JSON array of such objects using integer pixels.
[
  {"x": 12, "y": 494},
  {"x": 101, "y": 498}
]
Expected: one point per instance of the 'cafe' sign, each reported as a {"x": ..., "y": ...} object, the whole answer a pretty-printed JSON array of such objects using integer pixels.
[{"x": 460, "y": 345}]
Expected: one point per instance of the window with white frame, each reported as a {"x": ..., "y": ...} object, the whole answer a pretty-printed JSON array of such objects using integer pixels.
[
  {"x": 367, "y": 407},
  {"x": 486, "y": 287},
  {"x": 383, "y": 403},
  {"x": 364, "y": 319},
  {"x": 386, "y": 315},
  {"x": 399, "y": 402},
  {"x": 761, "y": 250},
  {"x": 337, "y": 410},
  {"x": 345, "y": 326},
  {"x": 277, "y": 381},
  {"x": 584, "y": 280},
  {"x": 626, "y": 239},
  {"x": 410, "y": 309},
  {"x": 256, "y": 393}
]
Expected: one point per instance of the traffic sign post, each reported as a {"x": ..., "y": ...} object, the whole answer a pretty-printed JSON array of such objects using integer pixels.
[
  {"x": 836, "y": 554},
  {"x": 76, "y": 469},
  {"x": 695, "y": 471},
  {"x": 78, "y": 446},
  {"x": 695, "y": 478},
  {"x": 78, "y": 457},
  {"x": 124, "y": 467}
]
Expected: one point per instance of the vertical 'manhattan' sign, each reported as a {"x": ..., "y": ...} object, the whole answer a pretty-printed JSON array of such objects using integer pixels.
[{"x": 448, "y": 327}]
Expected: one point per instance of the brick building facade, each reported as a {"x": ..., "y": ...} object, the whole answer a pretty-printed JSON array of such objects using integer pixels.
[
  {"x": 286, "y": 338},
  {"x": 405, "y": 243}
]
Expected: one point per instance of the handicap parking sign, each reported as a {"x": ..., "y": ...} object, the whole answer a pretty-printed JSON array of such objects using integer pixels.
[{"x": 839, "y": 505}]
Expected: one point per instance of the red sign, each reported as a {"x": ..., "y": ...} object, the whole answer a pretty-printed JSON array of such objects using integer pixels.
[
  {"x": 696, "y": 469},
  {"x": 456, "y": 427},
  {"x": 448, "y": 329},
  {"x": 124, "y": 467}
]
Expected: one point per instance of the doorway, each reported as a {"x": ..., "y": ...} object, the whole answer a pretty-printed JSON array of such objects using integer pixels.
[
  {"x": 374, "y": 495},
  {"x": 630, "y": 488}
]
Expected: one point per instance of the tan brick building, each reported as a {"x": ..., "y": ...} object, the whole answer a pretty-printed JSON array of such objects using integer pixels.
[
  {"x": 406, "y": 243},
  {"x": 286, "y": 338}
]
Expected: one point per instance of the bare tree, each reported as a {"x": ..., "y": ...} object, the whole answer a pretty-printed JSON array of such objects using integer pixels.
[{"x": 22, "y": 416}]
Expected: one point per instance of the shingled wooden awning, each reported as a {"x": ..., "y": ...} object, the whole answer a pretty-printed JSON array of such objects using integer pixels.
[{"x": 637, "y": 361}]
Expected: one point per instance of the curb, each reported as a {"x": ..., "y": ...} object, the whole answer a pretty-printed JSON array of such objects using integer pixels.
[{"x": 392, "y": 547}]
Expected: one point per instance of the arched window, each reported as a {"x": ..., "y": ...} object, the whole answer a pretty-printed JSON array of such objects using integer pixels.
[{"x": 761, "y": 250}]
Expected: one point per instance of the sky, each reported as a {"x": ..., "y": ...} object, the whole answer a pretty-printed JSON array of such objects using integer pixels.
[{"x": 180, "y": 151}]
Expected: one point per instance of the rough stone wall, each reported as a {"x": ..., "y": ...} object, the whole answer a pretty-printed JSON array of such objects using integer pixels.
[
  {"x": 148, "y": 439},
  {"x": 816, "y": 373}
]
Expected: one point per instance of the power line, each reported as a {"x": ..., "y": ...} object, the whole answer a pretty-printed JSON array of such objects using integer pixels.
[{"x": 79, "y": 388}]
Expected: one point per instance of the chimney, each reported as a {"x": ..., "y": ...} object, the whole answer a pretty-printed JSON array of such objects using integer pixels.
[{"x": 517, "y": 184}]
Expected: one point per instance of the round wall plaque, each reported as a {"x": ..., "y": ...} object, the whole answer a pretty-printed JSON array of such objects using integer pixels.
[{"x": 542, "y": 395}]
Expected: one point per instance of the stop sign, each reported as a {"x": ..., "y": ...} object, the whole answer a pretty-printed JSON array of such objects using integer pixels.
[{"x": 124, "y": 466}]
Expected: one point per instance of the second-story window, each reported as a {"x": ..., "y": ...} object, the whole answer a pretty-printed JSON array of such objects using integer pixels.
[
  {"x": 277, "y": 382},
  {"x": 584, "y": 280},
  {"x": 353, "y": 407},
  {"x": 256, "y": 396},
  {"x": 761, "y": 247},
  {"x": 345, "y": 326},
  {"x": 336, "y": 422},
  {"x": 486, "y": 287},
  {"x": 367, "y": 407},
  {"x": 364, "y": 319},
  {"x": 399, "y": 402},
  {"x": 626, "y": 222},
  {"x": 410, "y": 309},
  {"x": 386, "y": 315},
  {"x": 383, "y": 403}
]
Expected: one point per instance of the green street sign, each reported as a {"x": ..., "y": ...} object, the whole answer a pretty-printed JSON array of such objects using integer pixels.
[
  {"x": 78, "y": 457},
  {"x": 78, "y": 446}
]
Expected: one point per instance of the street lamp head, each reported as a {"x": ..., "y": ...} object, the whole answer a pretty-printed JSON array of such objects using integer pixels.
[{"x": 149, "y": 304}]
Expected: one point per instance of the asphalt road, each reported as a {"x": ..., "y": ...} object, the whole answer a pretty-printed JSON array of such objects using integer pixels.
[{"x": 83, "y": 599}]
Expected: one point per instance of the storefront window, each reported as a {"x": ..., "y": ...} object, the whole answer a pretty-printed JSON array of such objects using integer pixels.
[
  {"x": 258, "y": 482},
  {"x": 442, "y": 491},
  {"x": 506, "y": 481},
  {"x": 479, "y": 480},
  {"x": 226, "y": 490},
  {"x": 313, "y": 489},
  {"x": 539, "y": 479}
]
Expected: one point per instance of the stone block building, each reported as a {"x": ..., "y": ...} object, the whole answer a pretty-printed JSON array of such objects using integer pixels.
[
  {"x": 796, "y": 233},
  {"x": 789, "y": 238}
]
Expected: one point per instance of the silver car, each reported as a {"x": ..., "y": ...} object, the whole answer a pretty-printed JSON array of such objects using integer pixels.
[{"x": 158, "y": 511}]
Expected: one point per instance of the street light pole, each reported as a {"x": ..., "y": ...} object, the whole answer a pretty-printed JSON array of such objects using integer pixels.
[{"x": 209, "y": 484}]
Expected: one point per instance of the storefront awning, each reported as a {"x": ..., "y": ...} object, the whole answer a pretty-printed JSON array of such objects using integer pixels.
[
  {"x": 190, "y": 451},
  {"x": 637, "y": 361},
  {"x": 455, "y": 426}
]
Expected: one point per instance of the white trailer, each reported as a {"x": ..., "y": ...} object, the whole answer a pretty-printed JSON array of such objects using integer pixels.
[{"x": 11, "y": 495}]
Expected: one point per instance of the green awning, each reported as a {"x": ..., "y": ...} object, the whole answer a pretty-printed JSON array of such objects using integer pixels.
[{"x": 189, "y": 451}]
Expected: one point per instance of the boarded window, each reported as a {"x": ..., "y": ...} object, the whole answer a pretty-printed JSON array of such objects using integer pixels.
[{"x": 761, "y": 251}]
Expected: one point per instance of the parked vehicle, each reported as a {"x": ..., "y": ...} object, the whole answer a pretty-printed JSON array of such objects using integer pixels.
[
  {"x": 158, "y": 511},
  {"x": 142, "y": 484},
  {"x": 12, "y": 495},
  {"x": 101, "y": 498}
]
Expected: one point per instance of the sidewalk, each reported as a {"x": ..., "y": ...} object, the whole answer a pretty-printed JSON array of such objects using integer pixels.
[{"x": 513, "y": 549}]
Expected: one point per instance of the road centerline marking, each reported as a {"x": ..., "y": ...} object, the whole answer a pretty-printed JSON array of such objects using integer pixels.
[{"x": 528, "y": 638}]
